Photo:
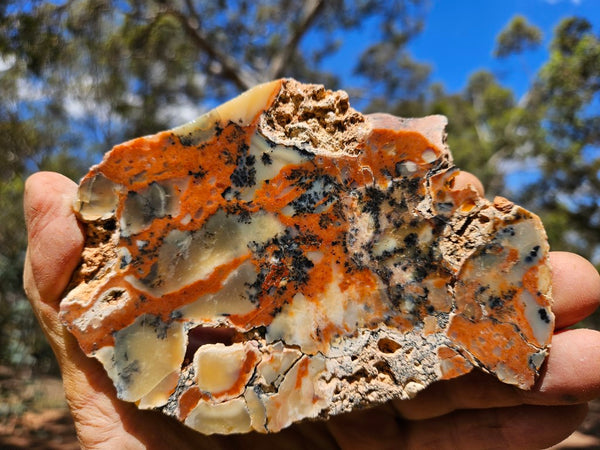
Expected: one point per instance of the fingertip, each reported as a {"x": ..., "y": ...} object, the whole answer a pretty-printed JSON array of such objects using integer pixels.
[
  {"x": 55, "y": 238},
  {"x": 517, "y": 427},
  {"x": 572, "y": 371},
  {"x": 36, "y": 183},
  {"x": 531, "y": 426},
  {"x": 575, "y": 288},
  {"x": 42, "y": 191}
]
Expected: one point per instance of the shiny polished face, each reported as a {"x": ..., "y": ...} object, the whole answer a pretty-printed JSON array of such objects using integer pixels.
[{"x": 286, "y": 257}]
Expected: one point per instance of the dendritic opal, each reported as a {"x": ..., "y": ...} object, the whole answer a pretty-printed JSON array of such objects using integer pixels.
[{"x": 286, "y": 257}]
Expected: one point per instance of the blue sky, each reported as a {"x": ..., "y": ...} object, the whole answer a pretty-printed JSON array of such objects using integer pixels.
[{"x": 459, "y": 37}]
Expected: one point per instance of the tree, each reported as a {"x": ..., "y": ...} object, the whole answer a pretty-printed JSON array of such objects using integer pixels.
[
  {"x": 517, "y": 37},
  {"x": 481, "y": 128},
  {"x": 78, "y": 76},
  {"x": 562, "y": 131},
  {"x": 123, "y": 66}
]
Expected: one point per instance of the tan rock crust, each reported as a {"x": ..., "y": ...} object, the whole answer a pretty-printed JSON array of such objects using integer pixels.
[{"x": 311, "y": 118}]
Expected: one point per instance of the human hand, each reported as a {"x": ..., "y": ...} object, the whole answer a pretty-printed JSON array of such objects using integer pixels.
[{"x": 473, "y": 411}]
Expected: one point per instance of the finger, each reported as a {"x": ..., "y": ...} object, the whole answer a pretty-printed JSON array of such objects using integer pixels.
[
  {"x": 465, "y": 179},
  {"x": 475, "y": 390},
  {"x": 523, "y": 427},
  {"x": 55, "y": 243},
  {"x": 503, "y": 428},
  {"x": 575, "y": 288},
  {"x": 55, "y": 237},
  {"x": 377, "y": 428},
  {"x": 571, "y": 375},
  {"x": 572, "y": 372}
]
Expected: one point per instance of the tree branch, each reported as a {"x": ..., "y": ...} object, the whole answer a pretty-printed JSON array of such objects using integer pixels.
[
  {"x": 310, "y": 12},
  {"x": 241, "y": 77},
  {"x": 192, "y": 10}
]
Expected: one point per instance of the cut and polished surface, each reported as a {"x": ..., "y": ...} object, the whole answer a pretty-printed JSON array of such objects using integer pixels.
[{"x": 286, "y": 257}]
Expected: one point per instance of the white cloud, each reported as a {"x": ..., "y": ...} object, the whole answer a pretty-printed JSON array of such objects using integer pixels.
[
  {"x": 80, "y": 103},
  {"x": 181, "y": 111},
  {"x": 508, "y": 166},
  {"x": 29, "y": 90},
  {"x": 7, "y": 62}
]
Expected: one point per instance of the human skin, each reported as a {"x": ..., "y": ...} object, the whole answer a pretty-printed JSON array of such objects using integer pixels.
[{"x": 473, "y": 411}]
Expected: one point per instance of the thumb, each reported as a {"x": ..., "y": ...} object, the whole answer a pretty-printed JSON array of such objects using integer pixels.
[
  {"x": 55, "y": 237},
  {"x": 55, "y": 244}
]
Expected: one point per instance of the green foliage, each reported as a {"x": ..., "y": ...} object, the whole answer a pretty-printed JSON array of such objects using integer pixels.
[
  {"x": 517, "y": 37},
  {"x": 21, "y": 340},
  {"x": 565, "y": 97}
]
